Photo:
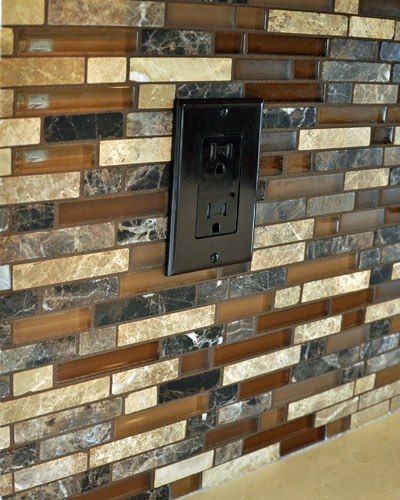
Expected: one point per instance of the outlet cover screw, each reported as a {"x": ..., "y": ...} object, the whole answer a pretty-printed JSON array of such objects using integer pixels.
[
  {"x": 214, "y": 257},
  {"x": 223, "y": 111}
]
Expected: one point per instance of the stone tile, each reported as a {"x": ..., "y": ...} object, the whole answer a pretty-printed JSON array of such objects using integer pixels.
[
  {"x": 335, "y": 412},
  {"x": 370, "y": 93},
  {"x": 176, "y": 389},
  {"x": 19, "y": 131},
  {"x": 277, "y": 256},
  {"x": 223, "y": 397},
  {"x": 369, "y": 27},
  {"x": 94, "y": 478},
  {"x": 209, "y": 90},
  {"x": 193, "y": 341},
  {"x": 317, "y": 367},
  {"x": 370, "y": 258},
  {"x": 395, "y": 176},
  {"x": 395, "y": 403},
  {"x": 212, "y": 291},
  {"x": 154, "y": 494},
  {"x": 243, "y": 409},
  {"x": 99, "y": 340},
  {"x": 365, "y": 384},
  {"x": 396, "y": 73},
  {"x": 307, "y": 23},
  {"x": 379, "y": 346},
  {"x": 333, "y": 203},
  {"x": 4, "y": 219},
  {"x": 63, "y": 488},
  {"x": 106, "y": 69},
  {"x": 150, "y": 123},
  {"x": 346, "y": 48},
  {"x": 383, "y": 361},
  {"x": 17, "y": 458},
  {"x": 380, "y": 274},
  {"x": 277, "y": 234},
  {"x": 366, "y": 179},
  {"x": 228, "y": 452},
  {"x": 338, "y": 285},
  {"x": 349, "y": 6},
  {"x": 351, "y": 137},
  {"x": 390, "y": 51},
  {"x": 396, "y": 271},
  {"x": 289, "y": 117},
  {"x": 182, "y": 469},
  {"x": 387, "y": 235},
  {"x": 5, "y": 162},
  {"x": 142, "y": 230},
  {"x": 175, "y": 42},
  {"x": 134, "y": 151},
  {"x": 136, "y": 444},
  {"x": 278, "y": 211},
  {"x": 249, "y": 284},
  {"x": 240, "y": 330},
  {"x": 378, "y": 395},
  {"x": 339, "y": 245},
  {"x": 5, "y": 337},
  {"x": 4, "y": 438},
  {"x": 382, "y": 310},
  {"x": 34, "y": 380},
  {"x": 392, "y": 156},
  {"x": 6, "y": 95},
  {"x": 261, "y": 365},
  {"x": 380, "y": 327},
  {"x": 364, "y": 416},
  {"x": 287, "y": 297},
  {"x": 339, "y": 93},
  {"x": 22, "y": 12},
  {"x": 317, "y": 329},
  {"x": 156, "y": 96},
  {"x": 172, "y": 69},
  {"x": 82, "y": 127},
  {"x": 5, "y": 278},
  {"x": 6, "y": 484},
  {"x": 18, "y": 304},
  {"x": 200, "y": 424},
  {"x": 102, "y": 181},
  {"x": 32, "y": 217},
  {"x": 313, "y": 349},
  {"x": 348, "y": 159},
  {"x": 359, "y": 71},
  {"x": 141, "y": 400}
]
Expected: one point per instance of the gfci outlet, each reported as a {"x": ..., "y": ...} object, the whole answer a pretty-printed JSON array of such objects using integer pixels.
[{"x": 215, "y": 173}]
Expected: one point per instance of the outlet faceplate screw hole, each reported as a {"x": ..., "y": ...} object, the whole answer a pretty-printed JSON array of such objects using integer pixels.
[
  {"x": 214, "y": 257},
  {"x": 223, "y": 111}
]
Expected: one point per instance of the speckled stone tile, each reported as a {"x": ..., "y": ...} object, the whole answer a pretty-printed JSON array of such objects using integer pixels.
[
  {"x": 279, "y": 211},
  {"x": 176, "y": 42},
  {"x": 228, "y": 452},
  {"x": 182, "y": 469},
  {"x": 209, "y": 90},
  {"x": 104, "y": 181},
  {"x": 247, "y": 408},
  {"x": 154, "y": 95},
  {"x": 346, "y": 159},
  {"x": 32, "y": 217},
  {"x": 345, "y": 48},
  {"x": 339, "y": 93},
  {"x": 284, "y": 21},
  {"x": 99, "y": 340},
  {"x": 18, "y": 304},
  {"x": 193, "y": 341},
  {"x": 368, "y": 27},
  {"x": 334, "y": 138},
  {"x": 370, "y": 93},
  {"x": 258, "y": 282},
  {"x": 317, "y": 329},
  {"x": 34, "y": 380},
  {"x": 151, "y": 123},
  {"x": 142, "y": 230},
  {"x": 359, "y": 71},
  {"x": 176, "y": 389},
  {"x": 134, "y": 151},
  {"x": 329, "y": 287},
  {"x": 289, "y": 117},
  {"x": 17, "y": 458},
  {"x": 339, "y": 245}
]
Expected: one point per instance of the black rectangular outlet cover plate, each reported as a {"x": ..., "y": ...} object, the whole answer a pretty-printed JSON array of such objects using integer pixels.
[{"x": 215, "y": 174}]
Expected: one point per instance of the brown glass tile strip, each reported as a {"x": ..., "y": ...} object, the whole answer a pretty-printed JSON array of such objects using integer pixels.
[
  {"x": 307, "y": 271},
  {"x": 189, "y": 15},
  {"x": 271, "y": 165},
  {"x": 272, "y": 418},
  {"x": 228, "y": 43},
  {"x": 392, "y": 214},
  {"x": 298, "y": 163},
  {"x": 305, "y": 70},
  {"x": 395, "y": 326},
  {"x": 151, "y": 255},
  {"x": 337, "y": 427},
  {"x": 293, "y": 45},
  {"x": 351, "y": 114},
  {"x": 119, "y": 490},
  {"x": 285, "y": 92},
  {"x": 352, "y": 300},
  {"x": 352, "y": 319},
  {"x": 235, "y": 309},
  {"x": 303, "y": 440},
  {"x": 264, "y": 384},
  {"x": 315, "y": 5},
  {"x": 251, "y": 19},
  {"x": 345, "y": 340},
  {"x": 185, "y": 486},
  {"x": 387, "y": 376},
  {"x": 231, "y": 431},
  {"x": 194, "y": 362},
  {"x": 254, "y": 69}
]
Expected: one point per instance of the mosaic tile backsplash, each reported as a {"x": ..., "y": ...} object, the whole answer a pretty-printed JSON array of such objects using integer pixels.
[{"x": 120, "y": 383}]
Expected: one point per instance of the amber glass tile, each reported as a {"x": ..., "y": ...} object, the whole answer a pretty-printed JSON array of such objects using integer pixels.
[
  {"x": 302, "y": 440},
  {"x": 189, "y": 15},
  {"x": 337, "y": 427},
  {"x": 305, "y": 70},
  {"x": 387, "y": 291},
  {"x": 309, "y": 387},
  {"x": 42, "y": 327},
  {"x": 194, "y": 362},
  {"x": 297, "y": 163},
  {"x": 247, "y": 348},
  {"x": 386, "y": 8},
  {"x": 41, "y": 41},
  {"x": 395, "y": 326},
  {"x": 359, "y": 221},
  {"x": 256, "y": 69},
  {"x": 123, "y": 206},
  {"x": 326, "y": 225},
  {"x": 160, "y": 415},
  {"x": 250, "y": 19},
  {"x": 154, "y": 279},
  {"x": 231, "y": 431},
  {"x": 271, "y": 418},
  {"x": 278, "y": 44},
  {"x": 350, "y": 338},
  {"x": 382, "y": 135},
  {"x": 235, "y": 309},
  {"x": 150, "y": 255},
  {"x": 270, "y": 436},
  {"x": 264, "y": 383},
  {"x": 233, "y": 269},
  {"x": 185, "y": 486},
  {"x": 392, "y": 214},
  {"x": 228, "y": 43},
  {"x": 387, "y": 376},
  {"x": 366, "y": 199},
  {"x": 316, "y": 5},
  {"x": 278, "y": 141},
  {"x": 393, "y": 114},
  {"x": 351, "y": 114},
  {"x": 68, "y": 99},
  {"x": 285, "y": 92},
  {"x": 352, "y": 300},
  {"x": 291, "y": 316},
  {"x": 53, "y": 158},
  {"x": 102, "y": 363},
  {"x": 352, "y": 319},
  {"x": 312, "y": 270},
  {"x": 119, "y": 490},
  {"x": 271, "y": 165},
  {"x": 390, "y": 196},
  {"x": 280, "y": 189}
]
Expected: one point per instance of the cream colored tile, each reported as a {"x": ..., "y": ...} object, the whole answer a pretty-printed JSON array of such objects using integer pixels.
[
  {"x": 364, "y": 416},
  {"x": 156, "y": 96},
  {"x": 133, "y": 151},
  {"x": 395, "y": 404},
  {"x": 182, "y": 469},
  {"x": 22, "y": 11},
  {"x": 372, "y": 93},
  {"x": 369, "y": 27},
  {"x": 138, "y": 378},
  {"x": 34, "y": 380},
  {"x": 180, "y": 69},
  {"x": 133, "y": 445},
  {"x": 307, "y": 23},
  {"x": 6, "y": 102},
  {"x": 4, "y": 438},
  {"x": 378, "y": 395},
  {"x": 106, "y": 69},
  {"x": 70, "y": 268},
  {"x": 5, "y": 163},
  {"x": 169, "y": 324},
  {"x": 363, "y": 179},
  {"x": 141, "y": 400},
  {"x": 287, "y": 297},
  {"x": 261, "y": 365},
  {"x": 317, "y": 329},
  {"x": 239, "y": 466},
  {"x": 335, "y": 286},
  {"x": 6, "y": 484},
  {"x": 348, "y": 6},
  {"x": 50, "y": 471},
  {"x": 335, "y": 412},
  {"x": 277, "y": 234},
  {"x": 365, "y": 384},
  {"x": 5, "y": 278},
  {"x": 6, "y": 41},
  {"x": 397, "y": 132},
  {"x": 320, "y": 401},
  {"x": 397, "y": 31},
  {"x": 329, "y": 138},
  {"x": 19, "y": 131},
  {"x": 277, "y": 256},
  {"x": 382, "y": 310},
  {"x": 396, "y": 271},
  {"x": 51, "y": 401}
]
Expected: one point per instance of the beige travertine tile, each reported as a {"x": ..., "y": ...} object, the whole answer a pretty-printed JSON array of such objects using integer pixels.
[
  {"x": 22, "y": 11},
  {"x": 141, "y": 400},
  {"x": 27, "y": 71},
  {"x": 261, "y": 365},
  {"x": 365, "y": 384},
  {"x": 396, "y": 141},
  {"x": 369, "y": 27},
  {"x": 145, "y": 376},
  {"x": 161, "y": 326},
  {"x": 382, "y": 310},
  {"x": 371, "y": 93},
  {"x": 334, "y": 138},
  {"x": 335, "y": 412},
  {"x": 4, "y": 438},
  {"x": 5, "y": 163},
  {"x": 285, "y": 21},
  {"x": 6, "y": 484},
  {"x": 335, "y": 286},
  {"x": 50, "y": 471},
  {"x": 132, "y": 151},
  {"x": 239, "y": 466},
  {"x": 51, "y": 401},
  {"x": 70, "y": 268},
  {"x": 320, "y": 401},
  {"x": 277, "y": 256},
  {"x": 396, "y": 271},
  {"x": 397, "y": 31},
  {"x": 139, "y": 443},
  {"x": 266, "y": 236},
  {"x": 395, "y": 404},
  {"x": 348, "y": 6},
  {"x": 317, "y": 329},
  {"x": 156, "y": 96},
  {"x": 364, "y": 416},
  {"x": 6, "y": 102},
  {"x": 6, "y": 41},
  {"x": 34, "y": 380},
  {"x": 287, "y": 297},
  {"x": 19, "y": 131},
  {"x": 363, "y": 179},
  {"x": 26, "y": 188},
  {"x": 106, "y": 69},
  {"x": 379, "y": 395},
  {"x": 180, "y": 69},
  {"x": 182, "y": 469}
]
